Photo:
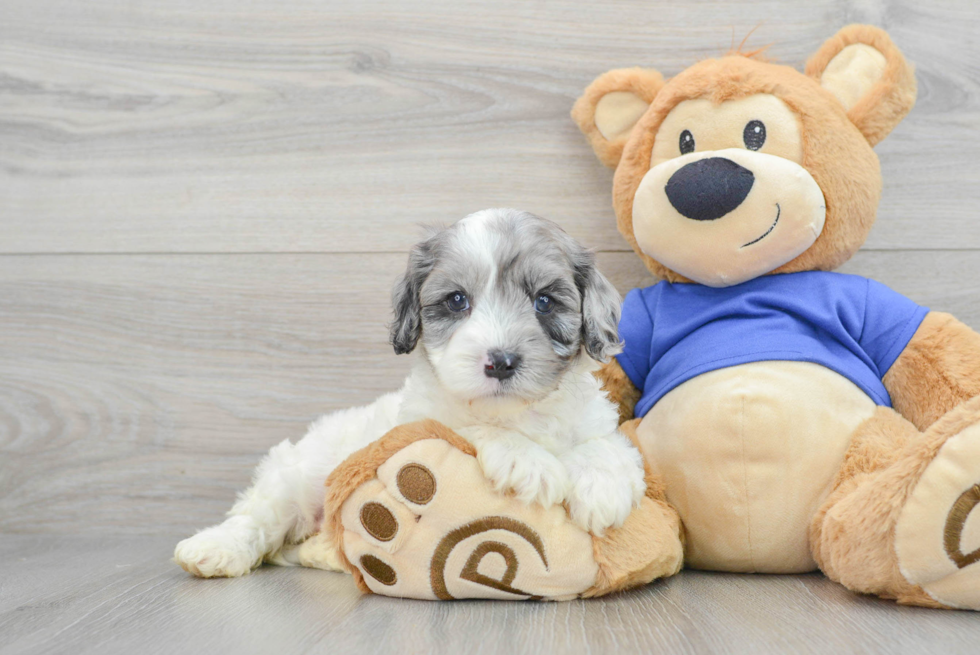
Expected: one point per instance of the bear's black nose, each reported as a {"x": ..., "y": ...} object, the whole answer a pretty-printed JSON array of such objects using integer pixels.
[{"x": 708, "y": 189}]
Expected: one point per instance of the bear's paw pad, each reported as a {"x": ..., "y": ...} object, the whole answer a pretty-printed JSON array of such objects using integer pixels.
[
  {"x": 430, "y": 526},
  {"x": 937, "y": 538}
]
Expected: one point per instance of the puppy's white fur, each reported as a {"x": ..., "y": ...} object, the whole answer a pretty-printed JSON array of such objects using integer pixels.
[{"x": 561, "y": 445}]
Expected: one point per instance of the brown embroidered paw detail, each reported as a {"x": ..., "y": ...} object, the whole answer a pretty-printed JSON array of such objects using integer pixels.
[
  {"x": 937, "y": 538},
  {"x": 953, "y": 537},
  {"x": 412, "y": 515},
  {"x": 429, "y": 525}
]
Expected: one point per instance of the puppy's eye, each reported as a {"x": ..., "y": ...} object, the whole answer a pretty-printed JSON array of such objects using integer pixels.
[
  {"x": 754, "y": 135},
  {"x": 543, "y": 304},
  {"x": 686, "y": 142},
  {"x": 457, "y": 301}
]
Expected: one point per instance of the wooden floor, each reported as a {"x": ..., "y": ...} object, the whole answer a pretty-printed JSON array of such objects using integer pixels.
[
  {"x": 63, "y": 594},
  {"x": 203, "y": 205}
]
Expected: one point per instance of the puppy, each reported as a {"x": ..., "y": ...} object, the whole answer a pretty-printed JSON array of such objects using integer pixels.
[{"x": 509, "y": 315}]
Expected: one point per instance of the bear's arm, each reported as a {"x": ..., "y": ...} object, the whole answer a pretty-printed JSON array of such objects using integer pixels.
[
  {"x": 619, "y": 388},
  {"x": 938, "y": 370}
]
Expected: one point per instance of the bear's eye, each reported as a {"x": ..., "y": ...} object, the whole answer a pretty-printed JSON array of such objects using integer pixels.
[
  {"x": 754, "y": 135},
  {"x": 686, "y": 142}
]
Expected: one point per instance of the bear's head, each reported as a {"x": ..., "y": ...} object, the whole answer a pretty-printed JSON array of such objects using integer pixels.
[{"x": 737, "y": 167}]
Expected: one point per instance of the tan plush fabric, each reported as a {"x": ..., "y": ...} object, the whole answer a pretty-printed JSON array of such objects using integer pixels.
[
  {"x": 720, "y": 127},
  {"x": 642, "y": 84},
  {"x": 320, "y": 552},
  {"x": 836, "y": 141},
  {"x": 835, "y": 154},
  {"x": 938, "y": 370},
  {"x": 645, "y": 548},
  {"x": 467, "y": 541},
  {"x": 617, "y": 112},
  {"x": 849, "y": 536},
  {"x": 853, "y": 72},
  {"x": 890, "y": 98},
  {"x": 853, "y": 535},
  {"x": 361, "y": 467},
  {"x": 714, "y": 253},
  {"x": 413, "y": 516},
  {"x": 900, "y": 519},
  {"x": 937, "y": 537},
  {"x": 748, "y": 453}
]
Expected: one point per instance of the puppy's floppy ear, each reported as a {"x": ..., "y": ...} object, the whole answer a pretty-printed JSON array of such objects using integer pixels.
[
  {"x": 406, "y": 328},
  {"x": 601, "y": 306},
  {"x": 864, "y": 69},
  {"x": 611, "y": 106}
]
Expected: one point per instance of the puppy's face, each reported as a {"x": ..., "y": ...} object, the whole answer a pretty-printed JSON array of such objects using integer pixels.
[{"x": 502, "y": 303}]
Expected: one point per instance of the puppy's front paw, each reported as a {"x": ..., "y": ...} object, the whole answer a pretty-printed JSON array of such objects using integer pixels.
[
  {"x": 228, "y": 550},
  {"x": 597, "y": 502},
  {"x": 530, "y": 471},
  {"x": 607, "y": 482}
]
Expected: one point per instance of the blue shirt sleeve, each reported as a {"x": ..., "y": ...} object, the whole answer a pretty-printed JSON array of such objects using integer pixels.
[
  {"x": 636, "y": 332},
  {"x": 890, "y": 320}
]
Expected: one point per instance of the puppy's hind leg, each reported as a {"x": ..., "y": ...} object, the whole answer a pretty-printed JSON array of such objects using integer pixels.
[
  {"x": 285, "y": 502},
  {"x": 256, "y": 525}
]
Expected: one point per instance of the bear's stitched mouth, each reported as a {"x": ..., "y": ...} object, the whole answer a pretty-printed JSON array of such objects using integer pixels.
[{"x": 771, "y": 228}]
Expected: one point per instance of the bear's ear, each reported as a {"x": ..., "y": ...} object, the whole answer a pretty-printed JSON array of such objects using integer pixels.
[
  {"x": 862, "y": 67},
  {"x": 611, "y": 106}
]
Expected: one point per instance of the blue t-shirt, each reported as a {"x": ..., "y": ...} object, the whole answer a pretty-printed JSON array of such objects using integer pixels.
[{"x": 852, "y": 325}]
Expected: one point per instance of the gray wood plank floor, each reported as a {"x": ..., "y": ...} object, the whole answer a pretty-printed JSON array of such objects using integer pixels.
[
  {"x": 121, "y": 595},
  {"x": 203, "y": 204}
]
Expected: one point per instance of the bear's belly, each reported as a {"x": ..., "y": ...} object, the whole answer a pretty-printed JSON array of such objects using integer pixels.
[{"x": 748, "y": 453}]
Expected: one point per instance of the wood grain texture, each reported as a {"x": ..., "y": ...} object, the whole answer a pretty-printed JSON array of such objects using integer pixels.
[
  {"x": 309, "y": 126},
  {"x": 99, "y": 595},
  {"x": 203, "y": 206},
  {"x": 137, "y": 392}
]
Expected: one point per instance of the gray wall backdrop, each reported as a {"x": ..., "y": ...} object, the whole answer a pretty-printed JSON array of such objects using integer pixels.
[{"x": 203, "y": 206}]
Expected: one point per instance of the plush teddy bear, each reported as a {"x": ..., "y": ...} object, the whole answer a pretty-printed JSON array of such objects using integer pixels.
[
  {"x": 791, "y": 418},
  {"x": 798, "y": 418},
  {"x": 412, "y": 515}
]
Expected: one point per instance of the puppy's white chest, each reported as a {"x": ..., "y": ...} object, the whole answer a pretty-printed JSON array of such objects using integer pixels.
[
  {"x": 548, "y": 429},
  {"x": 479, "y": 434}
]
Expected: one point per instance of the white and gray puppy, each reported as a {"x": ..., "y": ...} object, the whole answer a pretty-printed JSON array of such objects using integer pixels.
[{"x": 509, "y": 315}]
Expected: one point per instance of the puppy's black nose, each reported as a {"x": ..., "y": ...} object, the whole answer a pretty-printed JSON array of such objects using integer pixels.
[
  {"x": 502, "y": 365},
  {"x": 708, "y": 189}
]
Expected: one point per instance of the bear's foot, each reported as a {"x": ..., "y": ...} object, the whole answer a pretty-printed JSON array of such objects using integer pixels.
[
  {"x": 413, "y": 516},
  {"x": 937, "y": 537}
]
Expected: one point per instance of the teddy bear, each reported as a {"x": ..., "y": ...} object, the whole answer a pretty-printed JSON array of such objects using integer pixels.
[
  {"x": 798, "y": 418},
  {"x": 791, "y": 418}
]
